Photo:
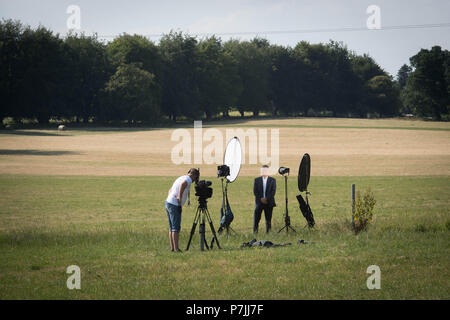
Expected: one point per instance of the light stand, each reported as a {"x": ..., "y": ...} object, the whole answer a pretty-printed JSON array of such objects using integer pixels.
[
  {"x": 287, "y": 219},
  {"x": 225, "y": 206},
  {"x": 232, "y": 160}
]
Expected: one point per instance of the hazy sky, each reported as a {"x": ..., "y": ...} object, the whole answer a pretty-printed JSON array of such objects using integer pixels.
[{"x": 390, "y": 48}]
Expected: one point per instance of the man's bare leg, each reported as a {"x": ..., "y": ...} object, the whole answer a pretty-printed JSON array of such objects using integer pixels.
[
  {"x": 172, "y": 246},
  {"x": 175, "y": 240}
]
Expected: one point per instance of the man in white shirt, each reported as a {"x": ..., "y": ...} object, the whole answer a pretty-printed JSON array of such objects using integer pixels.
[
  {"x": 264, "y": 189},
  {"x": 176, "y": 198}
]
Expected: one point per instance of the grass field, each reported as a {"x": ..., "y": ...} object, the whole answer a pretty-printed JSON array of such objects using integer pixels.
[{"x": 95, "y": 199}]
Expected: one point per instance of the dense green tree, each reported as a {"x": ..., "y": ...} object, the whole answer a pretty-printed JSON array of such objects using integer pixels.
[
  {"x": 254, "y": 70},
  {"x": 343, "y": 82},
  {"x": 402, "y": 78},
  {"x": 430, "y": 82},
  {"x": 213, "y": 88},
  {"x": 403, "y": 75},
  {"x": 282, "y": 80},
  {"x": 331, "y": 81},
  {"x": 11, "y": 61},
  {"x": 126, "y": 49},
  {"x": 219, "y": 83},
  {"x": 230, "y": 82},
  {"x": 365, "y": 68},
  {"x": 314, "y": 78},
  {"x": 383, "y": 96},
  {"x": 45, "y": 71},
  {"x": 415, "y": 102},
  {"x": 34, "y": 72},
  {"x": 294, "y": 84},
  {"x": 89, "y": 73},
  {"x": 181, "y": 95},
  {"x": 131, "y": 94}
]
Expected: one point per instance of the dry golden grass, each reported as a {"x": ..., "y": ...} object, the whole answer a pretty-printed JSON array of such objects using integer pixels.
[
  {"x": 348, "y": 122},
  {"x": 335, "y": 147}
]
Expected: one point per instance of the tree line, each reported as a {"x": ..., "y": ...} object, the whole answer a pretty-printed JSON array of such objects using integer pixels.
[{"x": 132, "y": 79}]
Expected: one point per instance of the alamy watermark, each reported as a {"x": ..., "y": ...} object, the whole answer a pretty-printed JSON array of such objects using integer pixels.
[
  {"x": 206, "y": 146},
  {"x": 74, "y": 280},
  {"x": 374, "y": 280},
  {"x": 74, "y": 20},
  {"x": 373, "y": 22}
]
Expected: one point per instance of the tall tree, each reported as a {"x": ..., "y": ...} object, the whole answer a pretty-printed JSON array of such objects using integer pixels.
[
  {"x": 253, "y": 69},
  {"x": 383, "y": 96},
  {"x": 11, "y": 60},
  {"x": 344, "y": 83},
  {"x": 44, "y": 74},
  {"x": 403, "y": 75},
  {"x": 181, "y": 75},
  {"x": 131, "y": 94},
  {"x": 210, "y": 72},
  {"x": 365, "y": 68},
  {"x": 402, "y": 78},
  {"x": 89, "y": 73},
  {"x": 127, "y": 49},
  {"x": 34, "y": 71},
  {"x": 430, "y": 79},
  {"x": 218, "y": 79},
  {"x": 282, "y": 83},
  {"x": 230, "y": 82}
]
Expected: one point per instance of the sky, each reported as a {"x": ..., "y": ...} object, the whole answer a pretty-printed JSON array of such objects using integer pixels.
[{"x": 245, "y": 19}]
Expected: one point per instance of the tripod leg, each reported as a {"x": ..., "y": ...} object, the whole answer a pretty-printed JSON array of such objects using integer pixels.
[
  {"x": 194, "y": 225},
  {"x": 282, "y": 229},
  {"x": 229, "y": 229},
  {"x": 212, "y": 229},
  {"x": 215, "y": 236},
  {"x": 202, "y": 235},
  {"x": 205, "y": 243},
  {"x": 287, "y": 224}
]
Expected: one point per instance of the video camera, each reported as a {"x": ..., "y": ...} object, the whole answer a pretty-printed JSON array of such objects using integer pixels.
[{"x": 203, "y": 189}]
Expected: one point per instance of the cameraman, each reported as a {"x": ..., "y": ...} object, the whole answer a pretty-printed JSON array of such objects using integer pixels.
[
  {"x": 175, "y": 200},
  {"x": 264, "y": 189}
]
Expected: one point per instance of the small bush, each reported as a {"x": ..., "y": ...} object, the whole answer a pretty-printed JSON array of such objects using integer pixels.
[{"x": 363, "y": 210}]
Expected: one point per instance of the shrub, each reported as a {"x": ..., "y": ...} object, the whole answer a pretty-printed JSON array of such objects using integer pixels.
[{"x": 363, "y": 210}]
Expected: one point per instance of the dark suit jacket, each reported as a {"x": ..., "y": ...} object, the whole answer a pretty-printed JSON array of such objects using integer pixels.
[{"x": 271, "y": 189}]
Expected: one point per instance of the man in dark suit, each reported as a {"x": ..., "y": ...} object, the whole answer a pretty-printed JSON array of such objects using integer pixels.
[{"x": 264, "y": 189}]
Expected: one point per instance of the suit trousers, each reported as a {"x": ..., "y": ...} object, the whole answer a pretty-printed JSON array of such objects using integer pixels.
[{"x": 259, "y": 208}]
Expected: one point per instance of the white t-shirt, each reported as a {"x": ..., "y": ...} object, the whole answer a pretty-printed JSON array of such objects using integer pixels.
[
  {"x": 175, "y": 190},
  {"x": 264, "y": 186}
]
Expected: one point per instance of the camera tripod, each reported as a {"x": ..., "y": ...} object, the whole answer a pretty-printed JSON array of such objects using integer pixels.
[
  {"x": 287, "y": 219},
  {"x": 201, "y": 215}
]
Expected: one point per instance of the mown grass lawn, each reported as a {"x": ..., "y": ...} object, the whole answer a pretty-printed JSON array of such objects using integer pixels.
[{"x": 115, "y": 230}]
